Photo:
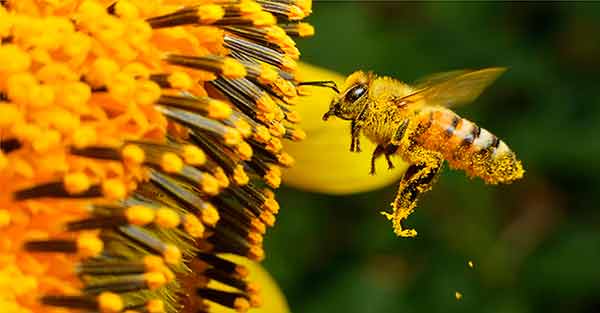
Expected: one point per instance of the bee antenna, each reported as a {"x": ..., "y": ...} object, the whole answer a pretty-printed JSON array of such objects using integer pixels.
[{"x": 321, "y": 83}]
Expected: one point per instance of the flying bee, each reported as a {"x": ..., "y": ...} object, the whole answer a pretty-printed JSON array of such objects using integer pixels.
[{"x": 415, "y": 122}]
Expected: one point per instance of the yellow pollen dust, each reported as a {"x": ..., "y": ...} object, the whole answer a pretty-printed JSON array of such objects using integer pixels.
[
  {"x": 232, "y": 137},
  {"x": 193, "y": 155},
  {"x": 133, "y": 154},
  {"x": 155, "y": 280},
  {"x": 171, "y": 163},
  {"x": 233, "y": 69},
  {"x": 77, "y": 182},
  {"x": 167, "y": 218},
  {"x": 110, "y": 302},
  {"x": 244, "y": 150},
  {"x": 155, "y": 306},
  {"x": 114, "y": 189},
  {"x": 209, "y": 216},
  {"x": 139, "y": 215},
  {"x": 243, "y": 127},
  {"x": 172, "y": 254},
  {"x": 210, "y": 185},
  {"x": 89, "y": 245},
  {"x": 210, "y": 13},
  {"x": 193, "y": 227},
  {"x": 180, "y": 80},
  {"x": 239, "y": 175},
  {"x": 219, "y": 109}
]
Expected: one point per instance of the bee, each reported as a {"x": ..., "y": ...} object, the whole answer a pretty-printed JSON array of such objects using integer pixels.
[{"x": 416, "y": 123}]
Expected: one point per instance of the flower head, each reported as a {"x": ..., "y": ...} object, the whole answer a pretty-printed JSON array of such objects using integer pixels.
[{"x": 140, "y": 141}]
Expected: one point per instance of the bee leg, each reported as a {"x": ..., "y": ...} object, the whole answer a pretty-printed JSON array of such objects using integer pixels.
[
  {"x": 419, "y": 178},
  {"x": 379, "y": 150},
  {"x": 355, "y": 133},
  {"x": 389, "y": 150}
]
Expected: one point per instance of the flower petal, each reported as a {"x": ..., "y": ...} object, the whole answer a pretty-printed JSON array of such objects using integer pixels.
[{"x": 323, "y": 160}]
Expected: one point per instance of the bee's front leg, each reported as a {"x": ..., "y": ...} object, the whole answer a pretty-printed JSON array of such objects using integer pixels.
[
  {"x": 419, "y": 178},
  {"x": 355, "y": 128}
]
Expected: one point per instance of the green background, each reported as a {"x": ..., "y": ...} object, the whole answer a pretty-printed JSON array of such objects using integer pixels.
[{"x": 536, "y": 243}]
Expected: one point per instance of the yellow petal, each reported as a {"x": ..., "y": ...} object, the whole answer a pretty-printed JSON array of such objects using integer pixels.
[
  {"x": 273, "y": 300},
  {"x": 324, "y": 162}
]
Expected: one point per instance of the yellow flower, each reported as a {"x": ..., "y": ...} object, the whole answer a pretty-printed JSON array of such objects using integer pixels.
[{"x": 140, "y": 143}]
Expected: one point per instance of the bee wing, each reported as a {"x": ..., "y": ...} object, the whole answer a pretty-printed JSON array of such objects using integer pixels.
[{"x": 453, "y": 88}]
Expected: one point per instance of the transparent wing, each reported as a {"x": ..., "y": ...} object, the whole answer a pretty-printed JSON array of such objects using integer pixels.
[{"x": 453, "y": 88}]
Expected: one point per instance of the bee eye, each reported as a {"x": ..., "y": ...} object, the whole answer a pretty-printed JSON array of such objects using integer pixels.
[{"x": 355, "y": 93}]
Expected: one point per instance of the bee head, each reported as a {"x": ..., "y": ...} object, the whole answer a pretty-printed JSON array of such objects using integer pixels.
[{"x": 353, "y": 99}]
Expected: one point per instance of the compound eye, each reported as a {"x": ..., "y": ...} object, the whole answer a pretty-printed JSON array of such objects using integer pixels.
[{"x": 355, "y": 93}]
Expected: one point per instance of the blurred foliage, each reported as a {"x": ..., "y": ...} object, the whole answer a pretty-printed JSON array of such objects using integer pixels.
[{"x": 536, "y": 243}]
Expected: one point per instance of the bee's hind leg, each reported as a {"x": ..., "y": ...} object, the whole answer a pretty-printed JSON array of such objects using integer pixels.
[
  {"x": 419, "y": 178},
  {"x": 389, "y": 150}
]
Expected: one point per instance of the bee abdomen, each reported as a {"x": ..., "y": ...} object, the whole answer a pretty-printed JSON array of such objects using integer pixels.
[{"x": 468, "y": 147}]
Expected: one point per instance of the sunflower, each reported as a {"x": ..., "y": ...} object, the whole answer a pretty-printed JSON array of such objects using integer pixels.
[{"x": 141, "y": 141}]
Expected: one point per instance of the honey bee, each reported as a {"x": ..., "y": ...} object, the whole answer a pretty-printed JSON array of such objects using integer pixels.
[{"x": 416, "y": 123}]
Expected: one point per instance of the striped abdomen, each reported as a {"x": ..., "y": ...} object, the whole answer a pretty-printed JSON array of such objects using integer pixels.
[{"x": 468, "y": 147}]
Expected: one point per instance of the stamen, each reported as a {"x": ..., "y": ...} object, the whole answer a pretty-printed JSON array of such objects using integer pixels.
[
  {"x": 259, "y": 52},
  {"x": 227, "y": 67},
  {"x": 299, "y": 29},
  {"x": 236, "y": 301},
  {"x": 204, "y": 105},
  {"x": 202, "y": 15}
]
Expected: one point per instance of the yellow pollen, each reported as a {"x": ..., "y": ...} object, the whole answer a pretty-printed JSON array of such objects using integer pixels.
[
  {"x": 210, "y": 185},
  {"x": 18, "y": 87},
  {"x": 295, "y": 13},
  {"x": 274, "y": 145},
  {"x": 77, "y": 182},
  {"x": 192, "y": 226},
  {"x": 110, "y": 302},
  {"x": 210, "y": 13},
  {"x": 193, "y": 155},
  {"x": 209, "y": 216},
  {"x": 232, "y": 137},
  {"x": 271, "y": 205},
  {"x": 458, "y": 295},
  {"x": 126, "y": 10},
  {"x": 74, "y": 95},
  {"x": 267, "y": 74},
  {"x": 285, "y": 159},
  {"x": 172, "y": 254},
  {"x": 133, "y": 154},
  {"x": 47, "y": 140},
  {"x": 155, "y": 280},
  {"x": 180, "y": 80},
  {"x": 13, "y": 59},
  {"x": 293, "y": 117},
  {"x": 262, "y": 134},
  {"x": 263, "y": 19},
  {"x": 277, "y": 130},
  {"x": 84, "y": 136},
  {"x": 265, "y": 103},
  {"x": 305, "y": 5},
  {"x": 253, "y": 288},
  {"x": 41, "y": 96},
  {"x": 102, "y": 71},
  {"x": 89, "y": 245},
  {"x": 288, "y": 63},
  {"x": 471, "y": 264},
  {"x": 218, "y": 109},
  {"x": 153, "y": 263},
  {"x": 8, "y": 115},
  {"x": 155, "y": 306},
  {"x": 241, "y": 305},
  {"x": 268, "y": 218},
  {"x": 114, "y": 189},
  {"x": 256, "y": 253},
  {"x": 298, "y": 134},
  {"x": 273, "y": 179},
  {"x": 255, "y": 300},
  {"x": 4, "y": 218},
  {"x": 166, "y": 218},
  {"x": 244, "y": 150},
  {"x": 305, "y": 30},
  {"x": 233, "y": 69},
  {"x": 243, "y": 127},
  {"x": 139, "y": 215},
  {"x": 247, "y": 6},
  {"x": 255, "y": 238},
  {"x": 258, "y": 226},
  {"x": 239, "y": 176},
  {"x": 147, "y": 92},
  {"x": 171, "y": 163},
  {"x": 221, "y": 177}
]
